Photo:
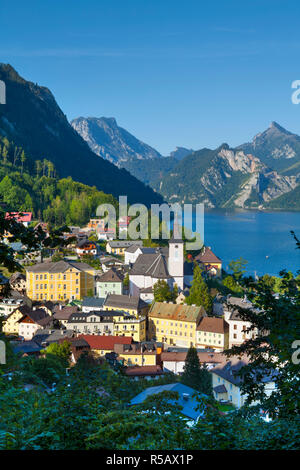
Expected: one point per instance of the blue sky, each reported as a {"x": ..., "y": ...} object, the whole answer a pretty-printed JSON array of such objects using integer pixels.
[{"x": 174, "y": 73}]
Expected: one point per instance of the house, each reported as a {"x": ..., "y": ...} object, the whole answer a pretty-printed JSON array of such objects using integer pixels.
[
  {"x": 7, "y": 306},
  {"x": 186, "y": 398},
  {"x": 31, "y": 321},
  {"x": 17, "y": 282},
  {"x": 133, "y": 251},
  {"x": 24, "y": 218},
  {"x": 60, "y": 281},
  {"x": 123, "y": 223},
  {"x": 90, "y": 304},
  {"x": 126, "y": 324},
  {"x": 174, "y": 360},
  {"x": 147, "y": 294},
  {"x": 10, "y": 325},
  {"x": 86, "y": 248},
  {"x": 110, "y": 282},
  {"x": 213, "y": 332},
  {"x": 174, "y": 324},
  {"x": 42, "y": 226},
  {"x": 106, "y": 234},
  {"x": 144, "y": 372},
  {"x": 210, "y": 263},
  {"x": 238, "y": 328},
  {"x": 62, "y": 314},
  {"x": 101, "y": 345},
  {"x": 78, "y": 346},
  {"x": 227, "y": 384},
  {"x": 165, "y": 264},
  {"x": 26, "y": 348},
  {"x": 127, "y": 303},
  {"x": 47, "y": 336},
  {"x": 96, "y": 222},
  {"x": 138, "y": 354},
  {"x": 108, "y": 262},
  {"x": 118, "y": 247},
  {"x": 92, "y": 323}
]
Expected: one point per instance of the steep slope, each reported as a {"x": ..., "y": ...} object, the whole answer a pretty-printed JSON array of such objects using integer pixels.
[
  {"x": 180, "y": 152},
  {"x": 224, "y": 178},
  {"x": 112, "y": 142},
  {"x": 277, "y": 148},
  {"x": 32, "y": 119},
  {"x": 151, "y": 171}
]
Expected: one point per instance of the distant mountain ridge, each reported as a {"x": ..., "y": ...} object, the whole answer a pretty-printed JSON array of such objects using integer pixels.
[{"x": 112, "y": 142}]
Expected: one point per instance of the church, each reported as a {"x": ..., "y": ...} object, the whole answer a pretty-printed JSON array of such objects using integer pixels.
[{"x": 165, "y": 264}]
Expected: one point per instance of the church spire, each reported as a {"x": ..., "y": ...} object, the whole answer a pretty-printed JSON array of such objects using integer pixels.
[{"x": 177, "y": 232}]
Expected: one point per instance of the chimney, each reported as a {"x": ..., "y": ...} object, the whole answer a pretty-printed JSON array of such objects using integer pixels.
[{"x": 186, "y": 396}]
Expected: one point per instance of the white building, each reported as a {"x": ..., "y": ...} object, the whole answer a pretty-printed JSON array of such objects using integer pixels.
[
  {"x": 165, "y": 264},
  {"x": 238, "y": 327}
]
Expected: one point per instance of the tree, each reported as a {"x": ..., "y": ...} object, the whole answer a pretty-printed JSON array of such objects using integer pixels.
[
  {"x": 23, "y": 160},
  {"x": 163, "y": 293},
  {"x": 238, "y": 268},
  {"x": 196, "y": 376},
  {"x": 230, "y": 283},
  {"x": 273, "y": 353},
  {"x": 199, "y": 293},
  {"x": 59, "y": 350}
]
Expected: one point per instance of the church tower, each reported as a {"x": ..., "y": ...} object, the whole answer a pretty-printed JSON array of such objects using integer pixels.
[{"x": 176, "y": 256}]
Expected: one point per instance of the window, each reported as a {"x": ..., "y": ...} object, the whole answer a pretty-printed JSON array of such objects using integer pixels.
[{"x": 234, "y": 327}]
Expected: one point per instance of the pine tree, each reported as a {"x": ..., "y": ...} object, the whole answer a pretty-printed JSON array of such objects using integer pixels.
[
  {"x": 196, "y": 376},
  {"x": 199, "y": 293}
]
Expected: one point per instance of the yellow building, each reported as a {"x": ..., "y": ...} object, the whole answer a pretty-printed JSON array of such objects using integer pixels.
[
  {"x": 210, "y": 263},
  {"x": 129, "y": 304},
  {"x": 11, "y": 324},
  {"x": 138, "y": 354},
  {"x": 130, "y": 325},
  {"x": 101, "y": 345},
  {"x": 118, "y": 247},
  {"x": 60, "y": 281},
  {"x": 213, "y": 332},
  {"x": 174, "y": 324}
]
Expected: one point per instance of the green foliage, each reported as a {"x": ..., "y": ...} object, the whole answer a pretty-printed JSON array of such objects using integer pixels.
[
  {"x": 199, "y": 293},
  {"x": 162, "y": 292},
  {"x": 232, "y": 286},
  {"x": 238, "y": 268},
  {"x": 195, "y": 375},
  {"x": 59, "y": 350}
]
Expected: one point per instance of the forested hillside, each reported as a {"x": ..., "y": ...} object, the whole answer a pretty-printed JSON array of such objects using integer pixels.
[{"x": 35, "y": 187}]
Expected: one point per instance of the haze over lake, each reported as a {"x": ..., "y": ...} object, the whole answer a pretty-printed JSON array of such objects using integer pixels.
[{"x": 262, "y": 238}]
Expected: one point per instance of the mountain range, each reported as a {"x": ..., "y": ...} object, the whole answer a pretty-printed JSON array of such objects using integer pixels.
[
  {"x": 254, "y": 174},
  {"x": 32, "y": 119},
  {"x": 263, "y": 173}
]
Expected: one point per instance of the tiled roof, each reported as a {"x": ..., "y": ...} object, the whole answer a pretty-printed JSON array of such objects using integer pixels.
[
  {"x": 124, "y": 301},
  {"x": 25, "y": 217},
  {"x": 189, "y": 406},
  {"x": 37, "y": 316},
  {"x": 228, "y": 369},
  {"x": 153, "y": 265},
  {"x": 137, "y": 371},
  {"x": 105, "y": 342},
  {"x": 207, "y": 256},
  {"x": 94, "y": 302},
  {"x": 124, "y": 243},
  {"x": 65, "y": 312},
  {"x": 110, "y": 276},
  {"x": 171, "y": 311},
  {"x": 58, "y": 267},
  {"x": 213, "y": 325},
  {"x": 204, "y": 357}
]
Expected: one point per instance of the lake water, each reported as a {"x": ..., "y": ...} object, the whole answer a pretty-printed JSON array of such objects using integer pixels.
[{"x": 262, "y": 238}]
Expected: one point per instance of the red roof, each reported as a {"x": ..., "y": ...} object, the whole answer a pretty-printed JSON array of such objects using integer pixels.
[
  {"x": 105, "y": 342},
  {"x": 207, "y": 256},
  {"x": 143, "y": 370},
  {"x": 25, "y": 217}
]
